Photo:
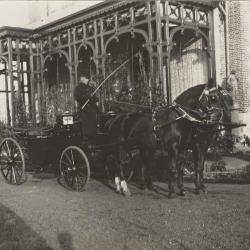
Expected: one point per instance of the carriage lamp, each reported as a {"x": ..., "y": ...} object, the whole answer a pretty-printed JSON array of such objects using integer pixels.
[{"x": 68, "y": 120}]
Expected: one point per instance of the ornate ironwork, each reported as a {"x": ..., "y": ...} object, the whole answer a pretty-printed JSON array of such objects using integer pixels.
[
  {"x": 64, "y": 38},
  {"x": 79, "y": 33},
  {"x": 109, "y": 23},
  {"x": 174, "y": 11},
  {"x": 189, "y": 15},
  {"x": 90, "y": 30},
  {"x": 45, "y": 45},
  {"x": 5, "y": 45},
  {"x": 24, "y": 45},
  {"x": 124, "y": 18},
  {"x": 55, "y": 41},
  {"x": 140, "y": 13},
  {"x": 202, "y": 17}
]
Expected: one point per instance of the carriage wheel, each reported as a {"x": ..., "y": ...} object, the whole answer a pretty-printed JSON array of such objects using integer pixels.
[
  {"x": 126, "y": 161},
  {"x": 74, "y": 168},
  {"x": 12, "y": 161}
]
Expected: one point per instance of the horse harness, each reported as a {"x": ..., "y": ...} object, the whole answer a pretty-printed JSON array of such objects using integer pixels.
[{"x": 182, "y": 114}]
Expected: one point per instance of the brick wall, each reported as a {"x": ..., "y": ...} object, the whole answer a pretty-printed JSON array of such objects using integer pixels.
[
  {"x": 239, "y": 54},
  {"x": 239, "y": 49},
  {"x": 220, "y": 48}
]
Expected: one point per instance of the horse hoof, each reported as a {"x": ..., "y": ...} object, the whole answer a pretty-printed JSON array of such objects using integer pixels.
[
  {"x": 152, "y": 187},
  {"x": 197, "y": 191},
  {"x": 182, "y": 193},
  {"x": 205, "y": 191},
  {"x": 118, "y": 191},
  {"x": 170, "y": 195},
  {"x": 127, "y": 193}
]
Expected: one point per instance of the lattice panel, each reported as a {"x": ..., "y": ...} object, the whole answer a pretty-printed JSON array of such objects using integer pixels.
[
  {"x": 188, "y": 15},
  {"x": 64, "y": 38},
  {"x": 34, "y": 47},
  {"x": 109, "y": 23},
  {"x": 79, "y": 33},
  {"x": 124, "y": 18},
  {"x": 202, "y": 17},
  {"x": 5, "y": 45},
  {"x": 140, "y": 13},
  {"x": 174, "y": 12},
  {"x": 54, "y": 41},
  {"x": 45, "y": 44},
  {"x": 90, "y": 30}
]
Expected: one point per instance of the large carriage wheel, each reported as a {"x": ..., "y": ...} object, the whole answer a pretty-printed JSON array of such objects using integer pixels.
[
  {"x": 74, "y": 168},
  {"x": 12, "y": 161}
]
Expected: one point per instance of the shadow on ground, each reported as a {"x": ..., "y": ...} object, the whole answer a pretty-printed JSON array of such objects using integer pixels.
[{"x": 15, "y": 234}]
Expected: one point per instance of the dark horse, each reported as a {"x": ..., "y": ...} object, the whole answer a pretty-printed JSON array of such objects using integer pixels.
[
  {"x": 127, "y": 131},
  {"x": 191, "y": 122}
]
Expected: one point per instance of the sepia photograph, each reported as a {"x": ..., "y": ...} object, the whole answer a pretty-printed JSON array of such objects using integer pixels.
[{"x": 125, "y": 125}]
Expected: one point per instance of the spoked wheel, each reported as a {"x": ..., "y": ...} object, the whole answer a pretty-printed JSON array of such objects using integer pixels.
[
  {"x": 74, "y": 168},
  {"x": 126, "y": 161},
  {"x": 12, "y": 161}
]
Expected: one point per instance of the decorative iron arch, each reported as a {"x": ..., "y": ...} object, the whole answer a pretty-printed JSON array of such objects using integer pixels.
[
  {"x": 60, "y": 52},
  {"x": 171, "y": 38},
  {"x": 138, "y": 31},
  {"x": 86, "y": 44},
  {"x": 175, "y": 30}
]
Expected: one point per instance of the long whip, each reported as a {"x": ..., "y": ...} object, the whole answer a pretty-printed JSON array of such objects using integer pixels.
[{"x": 111, "y": 74}]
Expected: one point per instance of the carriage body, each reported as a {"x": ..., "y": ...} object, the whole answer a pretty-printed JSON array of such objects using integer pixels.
[
  {"x": 43, "y": 146},
  {"x": 62, "y": 145}
]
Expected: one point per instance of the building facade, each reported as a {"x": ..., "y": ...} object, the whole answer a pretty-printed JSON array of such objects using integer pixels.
[{"x": 170, "y": 46}]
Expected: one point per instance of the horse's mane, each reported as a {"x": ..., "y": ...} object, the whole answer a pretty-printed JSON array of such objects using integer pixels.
[{"x": 191, "y": 94}]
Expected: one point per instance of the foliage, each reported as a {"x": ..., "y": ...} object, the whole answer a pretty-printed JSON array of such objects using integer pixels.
[
  {"x": 218, "y": 166},
  {"x": 244, "y": 140},
  {"x": 5, "y": 131},
  {"x": 56, "y": 102},
  {"x": 20, "y": 111},
  {"x": 137, "y": 90},
  {"x": 223, "y": 143}
]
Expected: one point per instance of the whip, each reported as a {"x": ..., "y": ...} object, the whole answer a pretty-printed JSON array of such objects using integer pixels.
[{"x": 112, "y": 73}]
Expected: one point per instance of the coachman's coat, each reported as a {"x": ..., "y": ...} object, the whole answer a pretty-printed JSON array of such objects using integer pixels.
[{"x": 88, "y": 115}]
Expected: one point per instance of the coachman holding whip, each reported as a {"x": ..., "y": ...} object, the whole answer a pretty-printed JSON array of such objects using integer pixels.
[{"x": 84, "y": 96}]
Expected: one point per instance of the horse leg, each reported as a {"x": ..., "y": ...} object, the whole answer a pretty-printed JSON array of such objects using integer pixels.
[
  {"x": 124, "y": 186},
  {"x": 203, "y": 187},
  {"x": 146, "y": 161},
  {"x": 143, "y": 181},
  {"x": 117, "y": 176},
  {"x": 173, "y": 152},
  {"x": 118, "y": 185},
  {"x": 180, "y": 174},
  {"x": 199, "y": 158}
]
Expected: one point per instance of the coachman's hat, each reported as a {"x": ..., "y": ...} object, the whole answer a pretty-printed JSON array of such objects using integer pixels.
[{"x": 84, "y": 79}]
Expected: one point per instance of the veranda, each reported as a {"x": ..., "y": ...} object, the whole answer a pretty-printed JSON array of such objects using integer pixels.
[{"x": 173, "y": 42}]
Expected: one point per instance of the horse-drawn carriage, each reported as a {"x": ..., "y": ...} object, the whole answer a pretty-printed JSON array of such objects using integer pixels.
[
  {"x": 179, "y": 127},
  {"x": 61, "y": 144}
]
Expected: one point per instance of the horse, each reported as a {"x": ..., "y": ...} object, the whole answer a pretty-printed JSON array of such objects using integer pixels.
[
  {"x": 191, "y": 122},
  {"x": 128, "y": 131}
]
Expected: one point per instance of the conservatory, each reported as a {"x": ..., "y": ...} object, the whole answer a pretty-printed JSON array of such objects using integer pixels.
[{"x": 169, "y": 46}]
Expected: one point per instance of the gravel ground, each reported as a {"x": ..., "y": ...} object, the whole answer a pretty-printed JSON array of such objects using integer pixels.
[{"x": 44, "y": 215}]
